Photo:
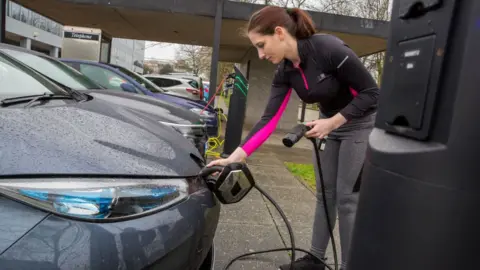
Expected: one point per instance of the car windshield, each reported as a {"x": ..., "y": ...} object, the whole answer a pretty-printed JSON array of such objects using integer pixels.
[
  {"x": 144, "y": 82},
  {"x": 54, "y": 70},
  {"x": 17, "y": 81}
]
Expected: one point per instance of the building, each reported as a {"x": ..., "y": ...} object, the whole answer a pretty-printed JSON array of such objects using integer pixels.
[
  {"x": 31, "y": 30},
  {"x": 128, "y": 53},
  {"x": 96, "y": 45}
]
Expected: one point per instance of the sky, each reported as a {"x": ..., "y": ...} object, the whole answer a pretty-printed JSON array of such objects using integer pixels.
[{"x": 163, "y": 51}]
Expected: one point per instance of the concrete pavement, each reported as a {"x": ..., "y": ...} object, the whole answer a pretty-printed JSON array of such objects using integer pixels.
[{"x": 253, "y": 224}]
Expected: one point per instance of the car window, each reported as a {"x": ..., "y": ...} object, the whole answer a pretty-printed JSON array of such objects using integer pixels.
[
  {"x": 144, "y": 82},
  {"x": 162, "y": 82},
  {"x": 194, "y": 84},
  {"x": 16, "y": 82},
  {"x": 174, "y": 82},
  {"x": 157, "y": 81},
  {"x": 53, "y": 69},
  {"x": 102, "y": 76}
]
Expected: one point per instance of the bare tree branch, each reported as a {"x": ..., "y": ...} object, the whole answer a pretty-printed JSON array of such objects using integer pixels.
[{"x": 196, "y": 57}]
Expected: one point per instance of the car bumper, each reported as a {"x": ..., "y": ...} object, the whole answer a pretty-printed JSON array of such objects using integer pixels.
[{"x": 177, "y": 238}]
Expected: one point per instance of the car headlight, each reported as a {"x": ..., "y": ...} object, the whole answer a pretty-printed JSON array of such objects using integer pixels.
[
  {"x": 185, "y": 129},
  {"x": 202, "y": 113},
  {"x": 97, "y": 199}
]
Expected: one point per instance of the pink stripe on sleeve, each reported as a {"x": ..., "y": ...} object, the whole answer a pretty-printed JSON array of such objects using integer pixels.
[
  {"x": 262, "y": 135},
  {"x": 354, "y": 92},
  {"x": 304, "y": 79}
]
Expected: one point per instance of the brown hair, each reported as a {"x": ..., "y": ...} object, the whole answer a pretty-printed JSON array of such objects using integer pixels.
[{"x": 297, "y": 22}]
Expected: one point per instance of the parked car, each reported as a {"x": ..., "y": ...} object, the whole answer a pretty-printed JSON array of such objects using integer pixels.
[
  {"x": 188, "y": 123},
  {"x": 177, "y": 86},
  {"x": 104, "y": 74},
  {"x": 197, "y": 81},
  {"x": 85, "y": 185}
]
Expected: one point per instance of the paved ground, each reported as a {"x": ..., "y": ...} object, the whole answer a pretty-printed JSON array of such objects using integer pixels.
[{"x": 253, "y": 224}]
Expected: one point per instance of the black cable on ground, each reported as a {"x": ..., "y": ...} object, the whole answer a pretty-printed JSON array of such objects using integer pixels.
[{"x": 290, "y": 232}]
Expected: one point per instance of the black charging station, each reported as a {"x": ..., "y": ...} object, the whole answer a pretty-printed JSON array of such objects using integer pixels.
[
  {"x": 236, "y": 114},
  {"x": 420, "y": 196}
]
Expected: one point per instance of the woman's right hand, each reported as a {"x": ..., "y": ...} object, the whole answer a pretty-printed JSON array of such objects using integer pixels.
[{"x": 238, "y": 156}]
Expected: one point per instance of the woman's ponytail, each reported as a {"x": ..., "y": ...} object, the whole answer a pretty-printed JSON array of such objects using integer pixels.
[
  {"x": 297, "y": 22},
  {"x": 304, "y": 26}
]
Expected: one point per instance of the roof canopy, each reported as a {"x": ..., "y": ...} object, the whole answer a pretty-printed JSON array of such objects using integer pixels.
[{"x": 192, "y": 22}]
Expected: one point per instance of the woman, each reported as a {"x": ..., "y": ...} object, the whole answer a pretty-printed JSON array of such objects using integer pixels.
[{"x": 321, "y": 69}]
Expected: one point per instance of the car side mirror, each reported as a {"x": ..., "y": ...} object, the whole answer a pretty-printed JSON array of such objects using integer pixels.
[
  {"x": 233, "y": 184},
  {"x": 128, "y": 87}
]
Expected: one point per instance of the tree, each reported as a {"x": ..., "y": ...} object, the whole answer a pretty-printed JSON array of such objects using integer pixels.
[
  {"x": 197, "y": 58},
  {"x": 339, "y": 7},
  {"x": 377, "y": 10},
  {"x": 165, "y": 69},
  {"x": 147, "y": 69}
]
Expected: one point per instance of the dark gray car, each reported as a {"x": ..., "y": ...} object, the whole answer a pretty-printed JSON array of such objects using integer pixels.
[{"x": 88, "y": 184}]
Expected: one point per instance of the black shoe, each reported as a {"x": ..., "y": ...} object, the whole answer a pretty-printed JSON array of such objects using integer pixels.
[{"x": 307, "y": 262}]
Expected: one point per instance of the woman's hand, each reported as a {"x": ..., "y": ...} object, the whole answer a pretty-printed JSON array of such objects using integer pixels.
[
  {"x": 238, "y": 156},
  {"x": 319, "y": 128},
  {"x": 322, "y": 127}
]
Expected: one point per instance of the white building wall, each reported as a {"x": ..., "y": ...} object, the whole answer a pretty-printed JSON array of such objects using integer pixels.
[
  {"x": 31, "y": 27},
  {"x": 27, "y": 31},
  {"x": 126, "y": 51}
]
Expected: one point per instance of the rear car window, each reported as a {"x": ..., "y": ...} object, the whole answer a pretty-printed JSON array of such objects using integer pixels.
[{"x": 194, "y": 84}]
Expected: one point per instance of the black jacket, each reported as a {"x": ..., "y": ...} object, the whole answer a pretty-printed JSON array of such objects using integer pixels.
[{"x": 330, "y": 74}]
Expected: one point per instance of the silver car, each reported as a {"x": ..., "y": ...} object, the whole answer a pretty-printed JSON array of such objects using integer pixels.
[{"x": 176, "y": 85}]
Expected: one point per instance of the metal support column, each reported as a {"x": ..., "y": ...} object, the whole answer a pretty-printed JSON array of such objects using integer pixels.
[
  {"x": 215, "y": 51},
  {"x": 3, "y": 15},
  {"x": 249, "y": 62}
]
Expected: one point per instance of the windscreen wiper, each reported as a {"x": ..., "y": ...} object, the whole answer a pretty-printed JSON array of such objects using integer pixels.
[
  {"x": 77, "y": 95},
  {"x": 31, "y": 99}
]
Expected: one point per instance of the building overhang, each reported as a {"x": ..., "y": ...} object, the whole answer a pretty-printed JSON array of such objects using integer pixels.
[{"x": 192, "y": 22}]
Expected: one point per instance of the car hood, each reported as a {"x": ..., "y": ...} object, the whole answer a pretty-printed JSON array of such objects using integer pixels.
[
  {"x": 156, "y": 108},
  {"x": 94, "y": 137}
]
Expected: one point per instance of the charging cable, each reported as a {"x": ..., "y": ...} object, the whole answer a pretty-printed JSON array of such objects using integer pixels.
[
  {"x": 289, "y": 140},
  {"x": 293, "y": 248}
]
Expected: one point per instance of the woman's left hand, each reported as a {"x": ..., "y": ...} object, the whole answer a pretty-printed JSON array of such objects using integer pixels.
[{"x": 320, "y": 128}]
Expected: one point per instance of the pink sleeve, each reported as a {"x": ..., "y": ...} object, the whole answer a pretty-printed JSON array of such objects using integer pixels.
[{"x": 267, "y": 125}]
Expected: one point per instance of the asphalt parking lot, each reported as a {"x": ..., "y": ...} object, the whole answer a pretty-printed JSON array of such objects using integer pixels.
[{"x": 253, "y": 224}]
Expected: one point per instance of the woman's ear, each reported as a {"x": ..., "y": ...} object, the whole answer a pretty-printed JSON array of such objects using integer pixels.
[{"x": 280, "y": 32}]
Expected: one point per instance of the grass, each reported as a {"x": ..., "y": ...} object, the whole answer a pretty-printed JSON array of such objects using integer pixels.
[{"x": 305, "y": 172}]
